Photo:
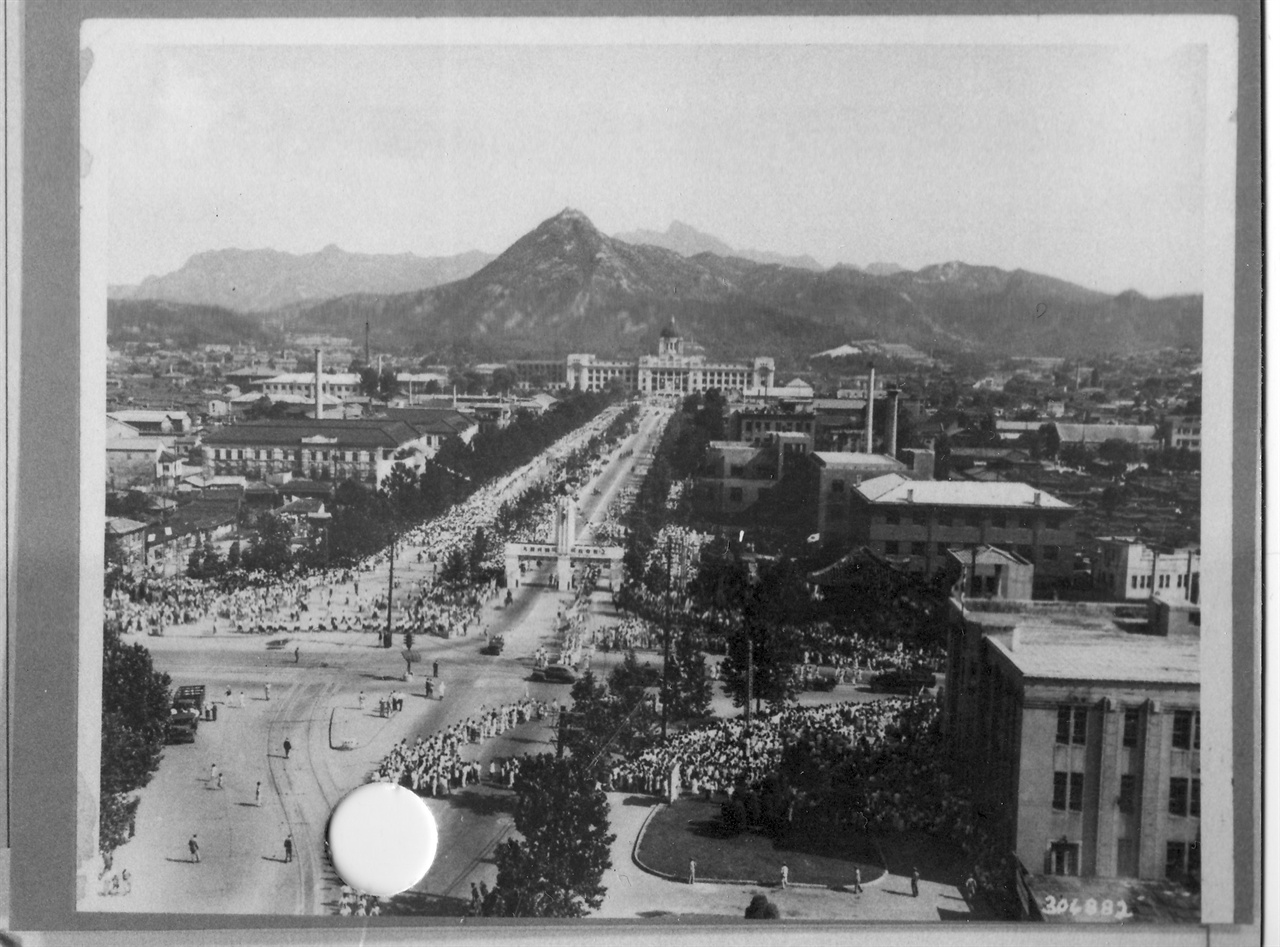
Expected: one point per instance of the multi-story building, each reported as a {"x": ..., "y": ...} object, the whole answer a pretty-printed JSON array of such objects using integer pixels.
[
  {"x": 923, "y": 520},
  {"x": 539, "y": 373},
  {"x": 1080, "y": 738},
  {"x": 992, "y": 572},
  {"x": 365, "y": 450},
  {"x": 1182, "y": 430},
  {"x": 341, "y": 385},
  {"x": 1129, "y": 569},
  {"x": 735, "y": 476},
  {"x": 758, "y": 425},
  {"x": 833, "y": 476},
  {"x": 671, "y": 371}
]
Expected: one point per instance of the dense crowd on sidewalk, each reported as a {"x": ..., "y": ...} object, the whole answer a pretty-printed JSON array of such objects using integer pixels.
[{"x": 436, "y": 765}]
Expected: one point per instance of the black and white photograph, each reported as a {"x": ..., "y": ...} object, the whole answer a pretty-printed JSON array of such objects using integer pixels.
[{"x": 743, "y": 469}]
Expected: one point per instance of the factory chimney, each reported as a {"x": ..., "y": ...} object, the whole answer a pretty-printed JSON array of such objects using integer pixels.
[
  {"x": 871, "y": 407},
  {"x": 319, "y": 386},
  {"x": 891, "y": 448}
]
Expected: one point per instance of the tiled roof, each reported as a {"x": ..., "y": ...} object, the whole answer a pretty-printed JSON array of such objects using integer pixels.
[
  {"x": 1097, "y": 433},
  {"x": 135, "y": 444},
  {"x": 347, "y": 433},
  {"x": 431, "y": 420},
  {"x": 894, "y": 488},
  {"x": 123, "y": 526},
  {"x": 987, "y": 555}
]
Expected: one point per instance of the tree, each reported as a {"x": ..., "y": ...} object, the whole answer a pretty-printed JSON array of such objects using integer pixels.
[
  {"x": 688, "y": 687},
  {"x": 1116, "y": 451},
  {"x": 556, "y": 871},
  {"x": 778, "y": 599},
  {"x": 270, "y": 551},
  {"x": 135, "y": 715}
]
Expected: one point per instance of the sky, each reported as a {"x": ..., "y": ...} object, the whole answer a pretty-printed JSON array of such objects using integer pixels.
[{"x": 1085, "y": 162}]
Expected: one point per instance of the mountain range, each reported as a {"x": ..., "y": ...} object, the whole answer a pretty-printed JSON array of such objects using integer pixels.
[
  {"x": 263, "y": 280},
  {"x": 566, "y": 287},
  {"x": 687, "y": 241}
]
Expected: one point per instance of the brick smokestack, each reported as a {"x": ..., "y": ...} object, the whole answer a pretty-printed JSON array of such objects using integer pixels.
[
  {"x": 871, "y": 407},
  {"x": 892, "y": 447},
  {"x": 319, "y": 385}
]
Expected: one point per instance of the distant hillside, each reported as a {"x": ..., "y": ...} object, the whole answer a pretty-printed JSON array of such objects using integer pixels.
[
  {"x": 687, "y": 241},
  {"x": 566, "y": 287},
  {"x": 146, "y": 320},
  {"x": 261, "y": 280}
]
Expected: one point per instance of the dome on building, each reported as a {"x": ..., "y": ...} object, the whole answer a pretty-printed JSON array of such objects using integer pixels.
[{"x": 669, "y": 331}]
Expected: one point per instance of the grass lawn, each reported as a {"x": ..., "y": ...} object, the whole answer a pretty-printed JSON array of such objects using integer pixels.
[{"x": 691, "y": 829}]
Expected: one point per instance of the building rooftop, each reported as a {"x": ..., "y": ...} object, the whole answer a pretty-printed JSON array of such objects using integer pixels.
[
  {"x": 135, "y": 444},
  {"x": 342, "y": 433},
  {"x": 986, "y": 556},
  {"x": 123, "y": 526},
  {"x": 894, "y": 488},
  {"x": 834, "y": 458},
  {"x": 1049, "y": 647},
  {"x": 309, "y": 378},
  {"x": 1098, "y": 433}
]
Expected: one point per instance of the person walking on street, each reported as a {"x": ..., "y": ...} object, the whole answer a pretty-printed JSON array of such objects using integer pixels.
[
  {"x": 219, "y": 780},
  {"x": 213, "y": 771},
  {"x": 296, "y": 652},
  {"x": 194, "y": 848},
  {"x": 435, "y": 668},
  {"x": 267, "y": 690},
  {"x": 693, "y": 870},
  {"x": 257, "y": 794},
  {"x": 242, "y": 700},
  {"x": 857, "y": 880},
  {"x": 288, "y": 848},
  {"x": 287, "y": 747},
  {"x": 785, "y": 873},
  {"x": 915, "y": 882},
  {"x": 971, "y": 887}
]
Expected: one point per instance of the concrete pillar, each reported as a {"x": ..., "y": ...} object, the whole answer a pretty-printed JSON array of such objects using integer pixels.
[
  {"x": 1106, "y": 834},
  {"x": 564, "y": 571}
]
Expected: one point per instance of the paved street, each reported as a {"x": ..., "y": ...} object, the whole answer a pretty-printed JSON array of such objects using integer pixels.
[{"x": 314, "y": 703}]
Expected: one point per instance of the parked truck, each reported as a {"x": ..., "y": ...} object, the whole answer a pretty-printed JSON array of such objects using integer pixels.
[{"x": 184, "y": 716}]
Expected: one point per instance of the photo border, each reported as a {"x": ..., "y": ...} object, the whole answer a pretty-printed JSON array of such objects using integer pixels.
[{"x": 47, "y": 563}]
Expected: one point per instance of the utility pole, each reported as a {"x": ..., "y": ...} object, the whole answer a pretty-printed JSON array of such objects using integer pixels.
[
  {"x": 666, "y": 644},
  {"x": 750, "y": 673},
  {"x": 391, "y": 581}
]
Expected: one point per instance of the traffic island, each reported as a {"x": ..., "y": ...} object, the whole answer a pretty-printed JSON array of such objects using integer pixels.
[{"x": 692, "y": 829}]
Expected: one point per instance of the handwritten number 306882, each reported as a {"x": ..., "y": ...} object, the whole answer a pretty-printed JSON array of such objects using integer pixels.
[{"x": 1113, "y": 909}]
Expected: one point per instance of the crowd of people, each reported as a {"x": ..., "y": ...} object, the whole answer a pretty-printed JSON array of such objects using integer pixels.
[
  {"x": 436, "y": 765},
  {"x": 263, "y": 603}
]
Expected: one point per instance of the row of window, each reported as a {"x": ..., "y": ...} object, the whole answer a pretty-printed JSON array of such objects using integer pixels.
[
  {"x": 1184, "y": 794},
  {"x": 1073, "y": 724},
  {"x": 1163, "y": 581},
  {"x": 892, "y": 547},
  {"x": 973, "y": 520},
  {"x": 351, "y": 456}
]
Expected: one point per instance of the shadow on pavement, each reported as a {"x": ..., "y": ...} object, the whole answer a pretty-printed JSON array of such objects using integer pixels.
[
  {"x": 483, "y": 803},
  {"x": 645, "y": 801},
  {"x": 421, "y": 904},
  {"x": 946, "y": 915}
]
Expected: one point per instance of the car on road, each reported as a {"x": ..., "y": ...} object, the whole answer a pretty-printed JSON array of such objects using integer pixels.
[
  {"x": 495, "y": 645},
  {"x": 903, "y": 682},
  {"x": 555, "y": 674}
]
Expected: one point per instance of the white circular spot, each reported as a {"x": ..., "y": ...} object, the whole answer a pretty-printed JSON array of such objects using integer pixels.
[{"x": 382, "y": 839}]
